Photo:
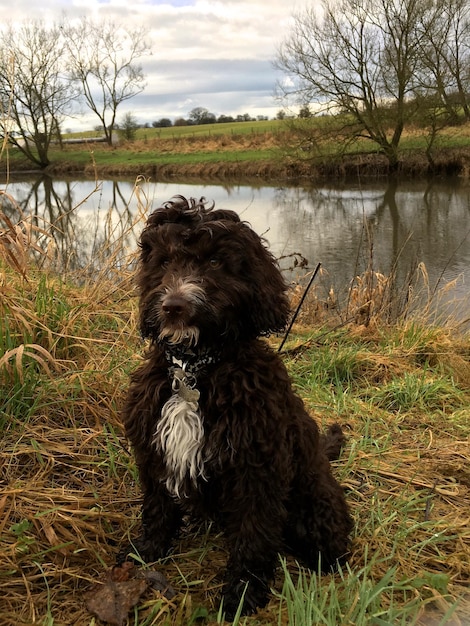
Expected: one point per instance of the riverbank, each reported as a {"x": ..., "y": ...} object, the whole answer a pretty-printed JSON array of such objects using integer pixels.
[
  {"x": 268, "y": 155},
  {"x": 365, "y": 167}
]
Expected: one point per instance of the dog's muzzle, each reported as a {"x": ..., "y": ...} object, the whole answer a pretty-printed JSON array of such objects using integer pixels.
[{"x": 179, "y": 306}]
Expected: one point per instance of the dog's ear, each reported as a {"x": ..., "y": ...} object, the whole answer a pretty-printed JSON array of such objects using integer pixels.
[
  {"x": 145, "y": 244},
  {"x": 269, "y": 309}
]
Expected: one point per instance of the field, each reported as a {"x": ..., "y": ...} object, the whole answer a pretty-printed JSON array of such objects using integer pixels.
[
  {"x": 69, "y": 494},
  {"x": 272, "y": 150},
  {"x": 233, "y": 129}
]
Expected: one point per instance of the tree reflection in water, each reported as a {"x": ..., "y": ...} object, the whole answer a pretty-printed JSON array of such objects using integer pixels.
[
  {"x": 347, "y": 228},
  {"x": 87, "y": 229}
]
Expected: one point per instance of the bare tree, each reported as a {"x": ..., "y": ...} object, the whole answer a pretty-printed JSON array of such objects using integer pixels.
[
  {"x": 104, "y": 61},
  {"x": 358, "y": 58},
  {"x": 446, "y": 58},
  {"x": 34, "y": 91}
]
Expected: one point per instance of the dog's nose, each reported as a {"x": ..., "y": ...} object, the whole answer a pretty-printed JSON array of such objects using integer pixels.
[{"x": 174, "y": 305}]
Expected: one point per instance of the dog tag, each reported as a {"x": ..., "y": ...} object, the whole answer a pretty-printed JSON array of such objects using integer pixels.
[
  {"x": 188, "y": 394},
  {"x": 181, "y": 387}
]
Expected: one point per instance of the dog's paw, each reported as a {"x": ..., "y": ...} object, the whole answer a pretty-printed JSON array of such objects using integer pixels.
[
  {"x": 244, "y": 596},
  {"x": 141, "y": 550}
]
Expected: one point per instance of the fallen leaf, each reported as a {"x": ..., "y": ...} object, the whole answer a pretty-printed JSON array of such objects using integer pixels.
[
  {"x": 112, "y": 600},
  {"x": 121, "y": 589}
]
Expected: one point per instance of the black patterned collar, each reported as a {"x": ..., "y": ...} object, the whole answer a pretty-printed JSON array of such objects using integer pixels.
[{"x": 191, "y": 360}]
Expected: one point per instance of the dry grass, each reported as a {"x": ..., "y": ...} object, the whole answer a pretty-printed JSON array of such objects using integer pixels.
[
  {"x": 208, "y": 143},
  {"x": 68, "y": 487},
  {"x": 187, "y": 144}
]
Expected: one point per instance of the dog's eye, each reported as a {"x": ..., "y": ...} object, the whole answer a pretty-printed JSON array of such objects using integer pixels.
[
  {"x": 164, "y": 263},
  {"x": 215, "y": 262}
]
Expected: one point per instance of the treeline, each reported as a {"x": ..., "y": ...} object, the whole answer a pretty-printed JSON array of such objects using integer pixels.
[
  {"x": 51, "y": 72},
  {"x": 200, "y": 115}
]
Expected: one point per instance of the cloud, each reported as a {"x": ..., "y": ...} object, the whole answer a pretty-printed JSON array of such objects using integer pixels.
[
  {"x": 212, "y": 53},
  {"x": 228, "y": 87},
  {"x": 219, "y": 76}
]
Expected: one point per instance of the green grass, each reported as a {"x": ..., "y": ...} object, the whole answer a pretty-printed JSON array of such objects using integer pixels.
[
  {"x": 273, "y": 149},
  {"x": 417, "y": 391},
  {"x": 356, "y": 596},
  {"x": 123, "y": 157},
  {"x": 203, "y": 130},
  {"x": 195, "y": 158}
]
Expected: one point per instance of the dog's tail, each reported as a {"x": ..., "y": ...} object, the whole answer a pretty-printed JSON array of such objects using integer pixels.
[{"x": 333, "y": 441}]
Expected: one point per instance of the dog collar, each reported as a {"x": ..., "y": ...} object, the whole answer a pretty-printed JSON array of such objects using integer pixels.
[
  {"x": 183, "y": 372},
  {"x": 191, "y": 362}
]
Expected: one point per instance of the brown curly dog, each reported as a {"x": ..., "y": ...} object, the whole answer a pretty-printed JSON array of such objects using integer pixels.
[{"x": 216, "y": 428}]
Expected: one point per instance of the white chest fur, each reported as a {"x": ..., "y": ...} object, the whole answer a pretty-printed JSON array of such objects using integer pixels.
[{"x": 180, "y": 434}]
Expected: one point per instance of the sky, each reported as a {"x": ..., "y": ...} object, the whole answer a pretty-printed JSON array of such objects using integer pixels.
[{"x": 205, "y": 53}]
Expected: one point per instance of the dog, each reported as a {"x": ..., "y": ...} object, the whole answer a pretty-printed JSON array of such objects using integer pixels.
[{"x": 216, "y": 428}]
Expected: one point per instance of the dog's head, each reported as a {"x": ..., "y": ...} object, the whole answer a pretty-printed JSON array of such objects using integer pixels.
[{"x": 205, "y": 277}]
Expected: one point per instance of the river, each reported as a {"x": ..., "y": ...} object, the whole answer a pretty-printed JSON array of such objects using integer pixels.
[{"x": 389, "y": 228}]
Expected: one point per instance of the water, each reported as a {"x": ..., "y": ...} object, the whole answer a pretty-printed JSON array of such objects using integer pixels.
[{"x": 343, "y": 228}]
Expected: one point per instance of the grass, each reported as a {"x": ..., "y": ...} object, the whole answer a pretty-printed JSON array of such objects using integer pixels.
[
  {"x": 269, "y": 150},
  {"x": 234, "y": 129},
  {"x": 129, "y": 157},
  {"x": 69, "y": 493},
  {"x": 179, "y": 145}
]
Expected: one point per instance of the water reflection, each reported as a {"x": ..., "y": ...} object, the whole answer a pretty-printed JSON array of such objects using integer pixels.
[
  {"x": 398, "y": 226},
  {"x": 83, "y": 217}
]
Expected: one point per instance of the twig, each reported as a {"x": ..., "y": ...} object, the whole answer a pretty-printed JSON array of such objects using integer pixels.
[{"x": 294, "y": 317}]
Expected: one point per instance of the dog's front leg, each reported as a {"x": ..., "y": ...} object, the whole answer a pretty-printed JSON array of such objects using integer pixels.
[
  {"x": 254, "y": 538},
  {"x": 161, "y": 521}
]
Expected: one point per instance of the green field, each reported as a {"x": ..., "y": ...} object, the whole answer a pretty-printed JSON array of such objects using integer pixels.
[
  {"x": 275, "y": 150},
  {"x": 202, "y": 130}
]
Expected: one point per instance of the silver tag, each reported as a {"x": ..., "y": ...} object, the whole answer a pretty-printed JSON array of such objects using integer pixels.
[{"x": 182, "y": 387}]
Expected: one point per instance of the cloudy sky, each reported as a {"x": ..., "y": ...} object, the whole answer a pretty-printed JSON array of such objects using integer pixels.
[{"x": 215, "y": 54}]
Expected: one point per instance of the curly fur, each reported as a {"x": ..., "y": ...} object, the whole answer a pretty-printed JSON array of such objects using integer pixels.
[{"x": 216, "y": 428}]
